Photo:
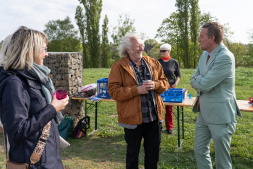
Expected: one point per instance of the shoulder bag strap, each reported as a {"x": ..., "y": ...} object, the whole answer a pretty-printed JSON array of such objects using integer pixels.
[
  {"x": 6, "y": 146},
  {"x": 37, "y": 152}
]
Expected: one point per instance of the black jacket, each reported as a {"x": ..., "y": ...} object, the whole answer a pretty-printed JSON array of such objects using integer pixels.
[{"x": 24, "y": 112}]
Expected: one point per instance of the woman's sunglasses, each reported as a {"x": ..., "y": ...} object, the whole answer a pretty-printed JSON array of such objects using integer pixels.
[{"x": 164, "y": 51}]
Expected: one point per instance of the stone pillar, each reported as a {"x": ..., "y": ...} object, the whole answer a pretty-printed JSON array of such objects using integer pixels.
[{"x": 66, "y": 73}]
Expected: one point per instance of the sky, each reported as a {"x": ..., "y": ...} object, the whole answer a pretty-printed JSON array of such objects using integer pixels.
[{"x": 147, "y": 14}]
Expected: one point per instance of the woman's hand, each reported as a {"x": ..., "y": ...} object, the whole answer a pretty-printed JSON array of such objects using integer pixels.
[{"x": 59, "y": 105}]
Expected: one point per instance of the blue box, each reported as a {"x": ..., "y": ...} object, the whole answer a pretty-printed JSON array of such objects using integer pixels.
[
  {"x": 102, "y": 88},
  {"x": 174, "y": 95}
]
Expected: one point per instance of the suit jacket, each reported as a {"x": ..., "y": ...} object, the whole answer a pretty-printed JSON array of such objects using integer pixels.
[{"x": 215, "y": 83}]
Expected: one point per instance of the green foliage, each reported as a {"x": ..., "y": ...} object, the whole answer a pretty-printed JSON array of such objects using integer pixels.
[
  {"x": 81, "y": 23},
  {"x": 206, "y": 17},
  {"x": 149, "y": 44},
  {"x": 125, "y": 25},
  {"x": 62, "y": 36},
  {"x": 155, "y": 51},
  {"x": 181, "y": 30},
  {"x": 239, "y": 51},
  {"x": 66, "y": 45},
  {"x": 144, "y": 53},
  {"x": 105, "y": 57},
  {"x": 183, "y": 19},
  {"x": 93, "y": 10},
  {"x": 194, "y": 25},
  {"x": 169, "y": 30},
  {"x": 250, "y": 51}
]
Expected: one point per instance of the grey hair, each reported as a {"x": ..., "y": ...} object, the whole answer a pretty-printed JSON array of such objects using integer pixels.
[{"x": 126, "y": 44}]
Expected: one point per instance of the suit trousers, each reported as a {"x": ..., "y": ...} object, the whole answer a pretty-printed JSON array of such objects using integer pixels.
[
  {"x": 221, "y": 134},
  {"x": 151, "y": 133}
]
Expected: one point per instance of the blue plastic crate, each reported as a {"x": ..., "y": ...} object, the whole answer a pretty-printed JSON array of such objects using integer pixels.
[
  {"x": 174, "y": 95},
  {"x": 102, "y": 88}
]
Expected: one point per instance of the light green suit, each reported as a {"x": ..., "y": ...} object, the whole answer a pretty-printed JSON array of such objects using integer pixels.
[{"x": 215, "y": 83}]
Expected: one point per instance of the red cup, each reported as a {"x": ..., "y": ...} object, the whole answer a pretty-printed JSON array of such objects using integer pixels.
[
  {"x": 251, "y": 100},
  {"x": 61, "y": 94}
]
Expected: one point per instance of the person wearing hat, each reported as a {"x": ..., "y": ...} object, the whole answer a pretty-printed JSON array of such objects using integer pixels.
[{"x": 172, "y": 72}]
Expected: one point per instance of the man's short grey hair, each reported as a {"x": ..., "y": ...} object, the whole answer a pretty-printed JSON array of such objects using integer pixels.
[
  {"x": 126, "y": 43},
  {"x": 166, "y": 46}
]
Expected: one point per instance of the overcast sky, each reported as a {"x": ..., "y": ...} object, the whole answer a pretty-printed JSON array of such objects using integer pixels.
[{"x": 148, "y": 14}]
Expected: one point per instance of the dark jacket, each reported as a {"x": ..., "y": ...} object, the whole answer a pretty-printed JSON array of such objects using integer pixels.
[{"x": 24, "y": 112}]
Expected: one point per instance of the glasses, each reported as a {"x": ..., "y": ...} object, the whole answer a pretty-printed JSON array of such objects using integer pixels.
[
  {"x": 45, "y": 48},
  {"x": 164, "y": 51}
]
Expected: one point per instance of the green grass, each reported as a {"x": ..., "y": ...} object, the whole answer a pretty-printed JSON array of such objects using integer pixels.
[{"x": 106, "y": 147}]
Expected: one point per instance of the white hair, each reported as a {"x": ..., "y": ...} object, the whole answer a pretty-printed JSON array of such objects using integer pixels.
[
  {"x": 126, "y": 44},
  {"x": 166, "y": 46}
]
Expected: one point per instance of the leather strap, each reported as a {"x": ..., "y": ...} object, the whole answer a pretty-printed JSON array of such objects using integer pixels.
[{"x": 37, "y": 152}]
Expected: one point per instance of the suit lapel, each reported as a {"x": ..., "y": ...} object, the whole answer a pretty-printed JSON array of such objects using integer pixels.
[{"x": 213, "y": 57}]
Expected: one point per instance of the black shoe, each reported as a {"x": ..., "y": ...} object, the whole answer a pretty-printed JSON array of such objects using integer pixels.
[{"x": 169, "y": 131}]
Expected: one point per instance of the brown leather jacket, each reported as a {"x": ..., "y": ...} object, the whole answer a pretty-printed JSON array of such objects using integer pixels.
[{"x": 122, "y": 87}]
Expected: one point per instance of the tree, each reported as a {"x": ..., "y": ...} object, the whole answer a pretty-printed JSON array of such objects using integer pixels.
[
  {"x": 125, "y": 25},
  {"x": 155, "y": 51},
  {"x": 93, "y": 10},
  {"x": 239, "y": 51},
  {"x": 62, "y": 36},
  {"x": 183, "y": 18},
  {"x": 206, "y": 17},
  {"x": 169, "y": 33},
  {"x": 149, "y": 44},
  {"x": 105, "y": 44},
  {"x": 81, "y": 23},
  {"x": 194, "y": 24}
]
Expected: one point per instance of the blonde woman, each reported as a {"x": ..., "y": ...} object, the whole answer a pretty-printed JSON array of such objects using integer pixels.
[{"x": 26, "y": 101}]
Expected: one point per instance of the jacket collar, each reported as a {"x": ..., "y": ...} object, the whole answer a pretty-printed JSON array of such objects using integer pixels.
[{"x": 125, "y": 63}]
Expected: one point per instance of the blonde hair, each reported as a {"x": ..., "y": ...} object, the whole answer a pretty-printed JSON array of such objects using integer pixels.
[{"x": 24, "y": 48}]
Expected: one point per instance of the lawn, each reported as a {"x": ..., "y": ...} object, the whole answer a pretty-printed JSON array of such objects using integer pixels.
[{"x": 106, "y": 148}]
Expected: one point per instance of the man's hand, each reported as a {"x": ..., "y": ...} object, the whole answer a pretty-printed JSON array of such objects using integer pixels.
[
  {"x": 142, "y": 89},
  {"x": 149, "y": 84},
  {"x": 146, "y": 86}
]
